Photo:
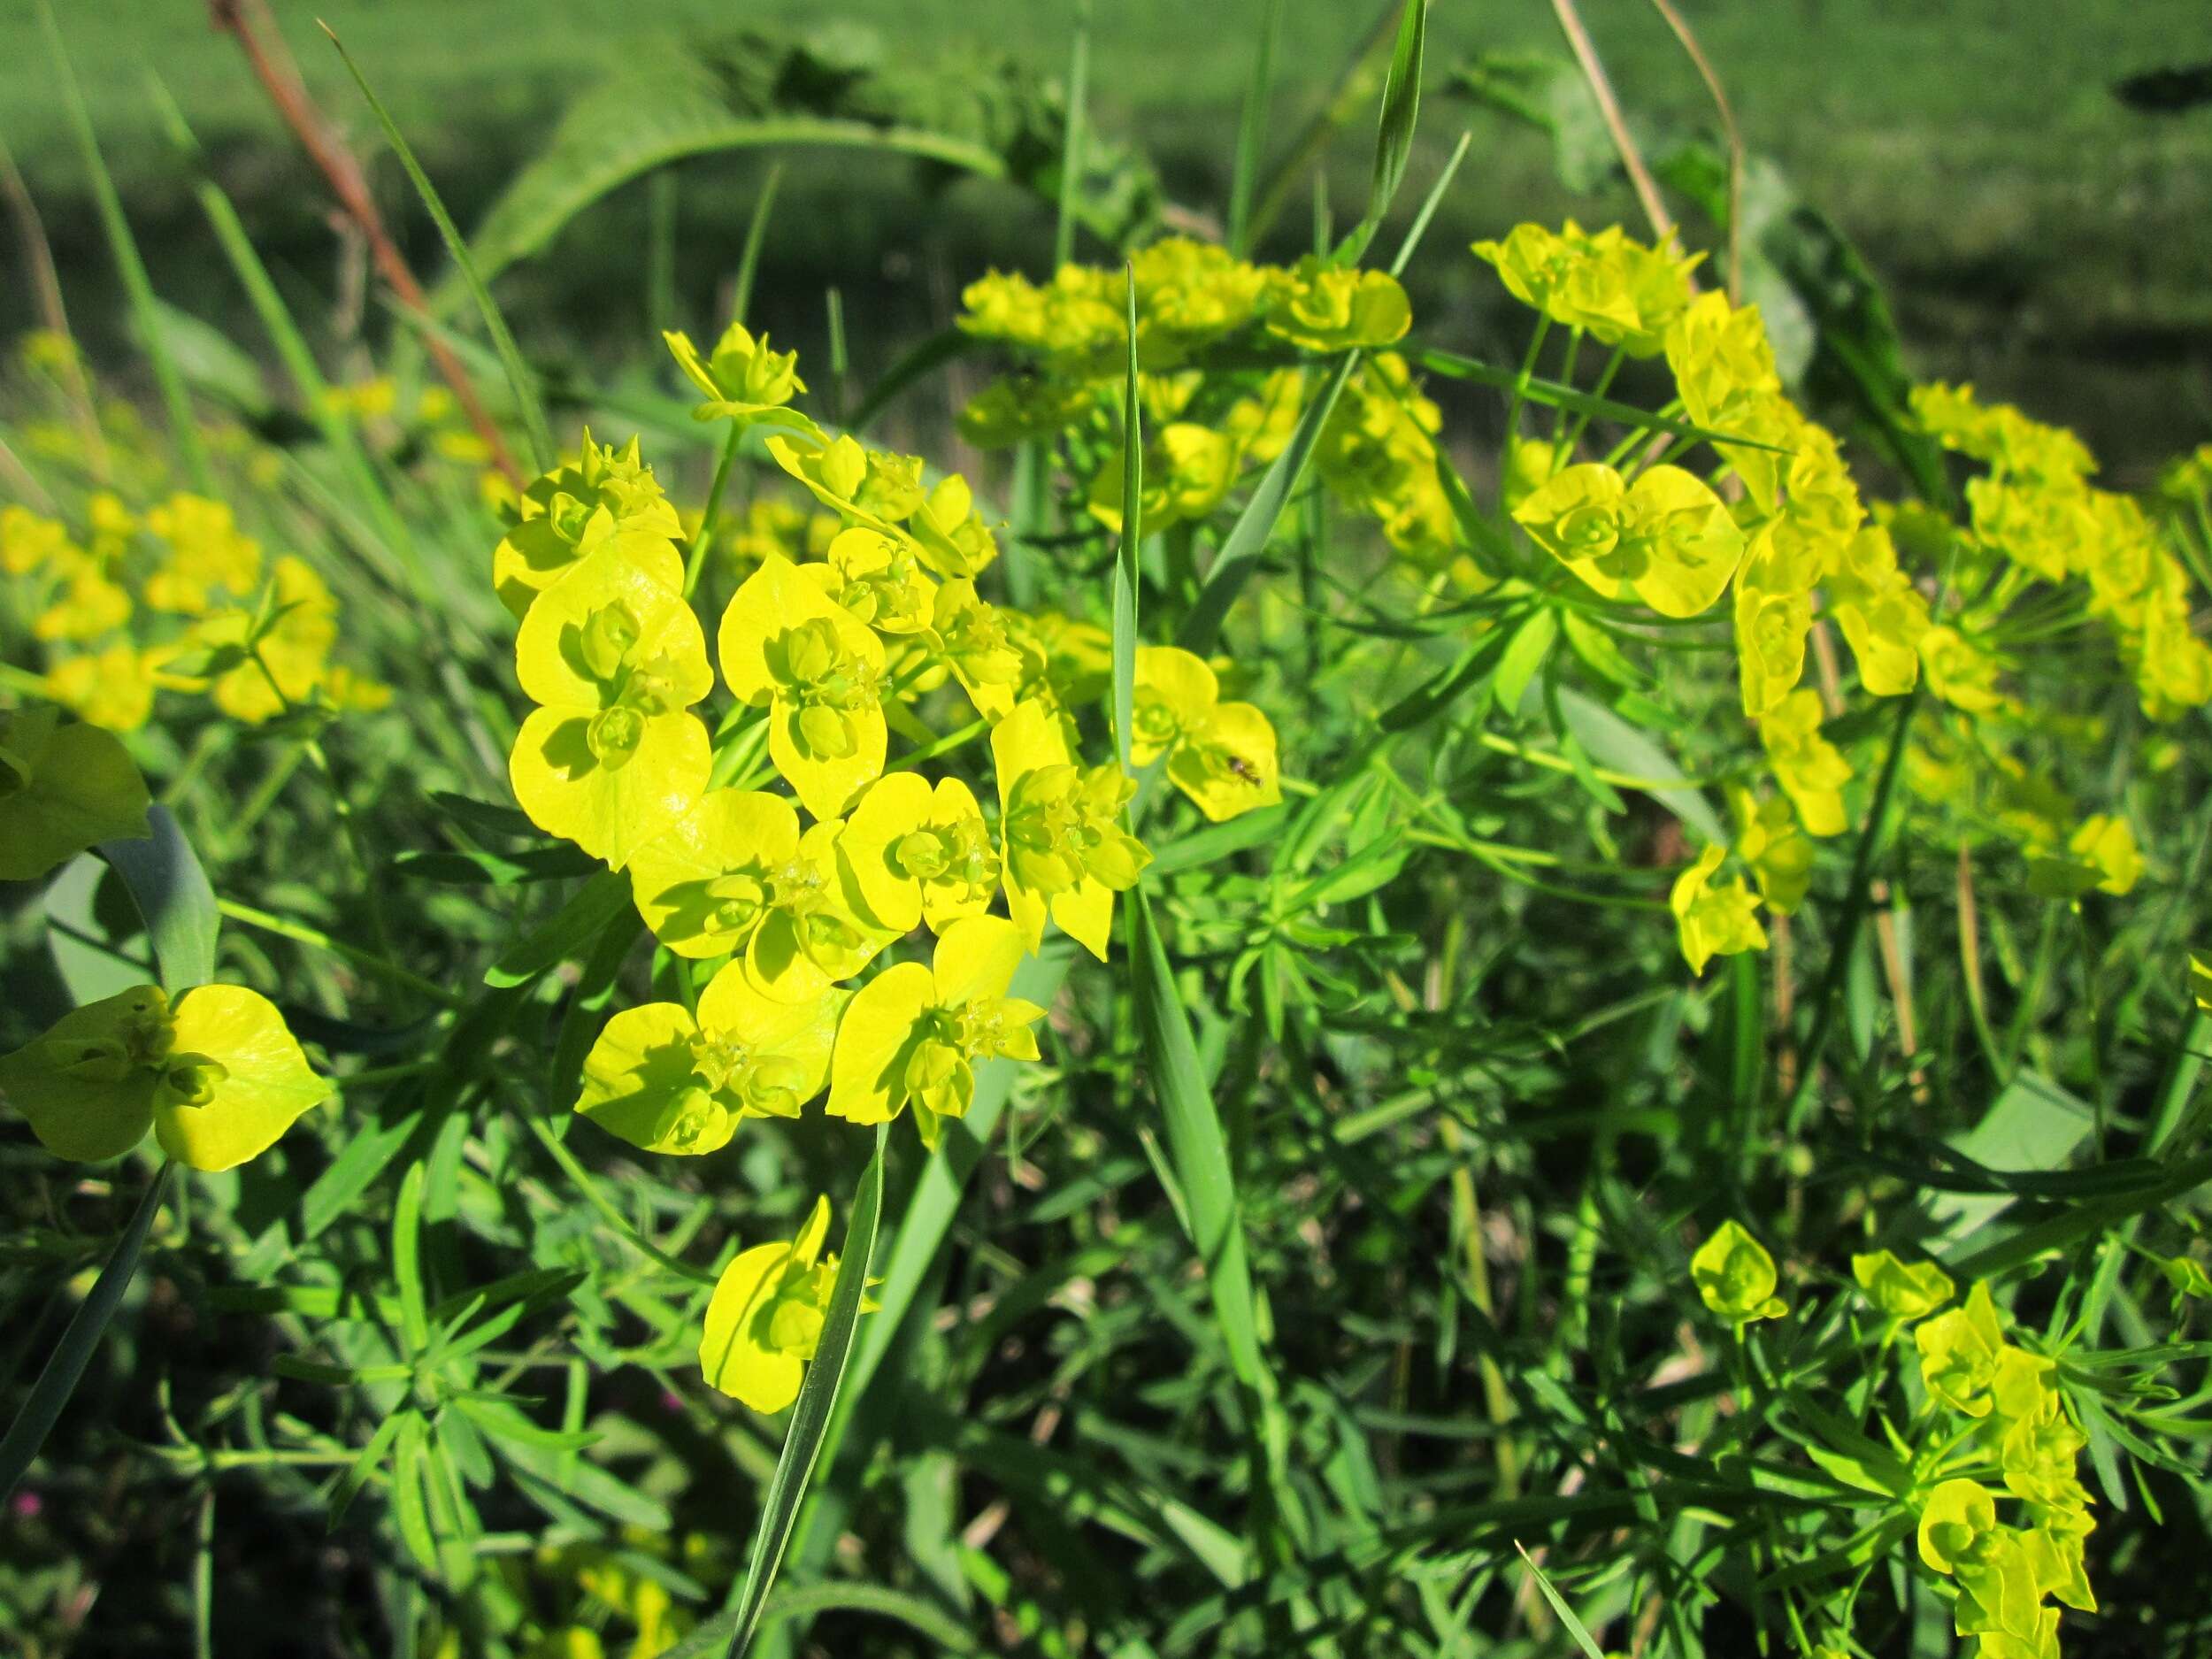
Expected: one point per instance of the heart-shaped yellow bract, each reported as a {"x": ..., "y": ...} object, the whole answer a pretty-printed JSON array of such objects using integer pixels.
[
  {"x": 1063, "y": 849},
  {"x": 667, "y": 1080},
  {"x": 1667, "y": 538},
  {"x": 766, "y": 1314},
  {"x": 914, "y": 1034},
  {"x": 920, "y": 854},
  {"x": 819, "y": 671},
  {"x": 216, "y": 1075}
]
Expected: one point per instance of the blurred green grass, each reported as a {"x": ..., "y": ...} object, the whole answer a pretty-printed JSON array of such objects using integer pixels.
[{"x": 2038, "y": 232}]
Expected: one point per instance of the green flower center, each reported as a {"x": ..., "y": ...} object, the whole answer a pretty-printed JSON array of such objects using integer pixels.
[
  {"x": 191, "y": 1079},
  {"x": 829, "y": 685}
]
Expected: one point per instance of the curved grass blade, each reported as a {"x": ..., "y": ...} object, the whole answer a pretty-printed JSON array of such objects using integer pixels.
[
  {"x": 64, "y": 1368},
  {"x": 1124, "y": 642},
  {"x": 518, "y": 377},
  {"x": 1072, "y": 136},
  {"x": 174, "y": 896},
  {"x": 931, "y": 1622},
  {"x": 1393, "y": 127},
  {"x": 818, "y": 1400},
  {"x": 1240, "y": 549},
  {"x": 130, "y": 266}
]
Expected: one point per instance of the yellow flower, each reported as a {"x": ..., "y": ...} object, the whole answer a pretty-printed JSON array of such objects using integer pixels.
[
  {"x": 207, "y": 555},
  {"x": 1774, "y": 614},
  {"x": 1714, "y": 918},
  {"x": 1667, "y": 538},
  {"x": 952, "y": 536},
  {"x": 1904, "y": 1291},
  {"x": 63, "y": 789},
  {"x": 1957, "y": 1516},
  {"x": 1724, "y": 367},
  {"x": 1735, "y": 1277},
  {"x": 735, "y": 873},
  {"x": 286, "y": 648},
  {"x": 112, "y": 687},
  {"x": 1959, "y": 1352},
  {"x": 971, "y": 638},
  {"x": 217, "y": 1077},
  {"x": 1322, "y": 307},
  {"x": 819, "y": 671},
  {"x": 743, "y": 379},
  {"x": 89, "y": 605},
  {"x": 878, "y": 578},
  {"x": 1221, "y": 755},
  {"x": 607, "y": 499},
  {"x": 1188, "y": 470},
  {"x": 1961, "y": 673},
  {"x": 611, "y": 759},
  {"x": 666, "y": 1081},
  {"x": 914, "y": 1034},
  {"x": 1808, "y": 767},
  {"x": 861, "y": 486},
  {"x": 2200, "y": 979},
  {"x": 1882, "y": 614},
  {"x": 1623, "y": 293},
  {"x": 1780, "y": 855},
  {"x": 918, "y": 854},
  {"x": 766, "y": 1316},
  {"x": 28, "y": 542},
  {"x": 1020, "y": 407},
  {"x": 2107, "y": 844},
  {"x": 1062, "y": 846}
]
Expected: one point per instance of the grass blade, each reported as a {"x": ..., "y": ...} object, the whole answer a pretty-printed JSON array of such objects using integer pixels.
[
  {"x": 1132, "y": 539},
  {"x": 818, "y": 1400},
  {"x": 1240, "y": 549},
  {"x": 519, "y": 380},
  {"x": 1072, "y": 138},
  {"x": 1252, "y": 132},
  {"x": 1393, "y": 127},
  {"x": 139, "y": 287},
  {"x": 64, "y": 1368},
  {"x": 1583, "y": 1638},
  {"x": 1196, "y": 1143}
]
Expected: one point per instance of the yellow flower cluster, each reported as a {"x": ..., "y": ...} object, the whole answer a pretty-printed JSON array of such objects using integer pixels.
[
  {"x": 177, "y": 599},
  {"x": 834, "y": 638},
  {"x": 1994, "y": 1413},
  {"x": 2008, "y": 1417},
  {"x": 1783, "y": 521},
  {"x": 2033, "y": 515},
  {"x": 1212, "y": 416}
]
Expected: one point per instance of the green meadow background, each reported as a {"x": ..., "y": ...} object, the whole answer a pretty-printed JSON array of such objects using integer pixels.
[{"x": 2038, "y": 232}]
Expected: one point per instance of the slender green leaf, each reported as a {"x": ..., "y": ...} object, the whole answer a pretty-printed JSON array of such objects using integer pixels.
[
  {"x": 1126, "y": 569},
  {"x": 519, "y": 380},
  {"x": 817, "y": 1398},
  {"x": 1247, "y": 538},
  {"x": 64, "y": 1367}
]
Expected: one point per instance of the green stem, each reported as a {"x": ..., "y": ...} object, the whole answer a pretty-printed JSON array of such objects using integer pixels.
[{"x": 1857, "y": 902}]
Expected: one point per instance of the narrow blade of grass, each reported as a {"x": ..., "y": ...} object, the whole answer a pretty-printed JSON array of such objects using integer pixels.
[
  {"x": 519, "y": 380},
  {"x": 1252, "y": 131},
  {"x": 1240, "y": 549},
  {"x": 1072, "y": 139},
  {"x": 138, "y": 285},
  {"x": 818, "y": 1400},
  {"x": 65, "y": 1367},
  {"x": 1131, "y": 538}
]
